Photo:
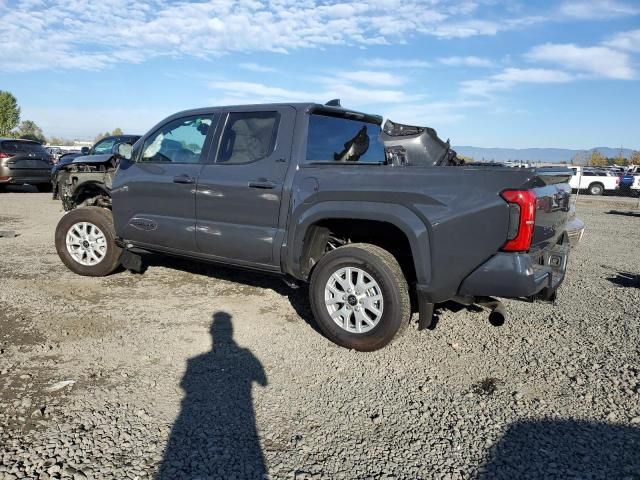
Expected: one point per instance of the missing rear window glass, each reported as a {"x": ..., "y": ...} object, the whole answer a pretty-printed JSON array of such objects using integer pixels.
[{"x": 337, "y": 139}]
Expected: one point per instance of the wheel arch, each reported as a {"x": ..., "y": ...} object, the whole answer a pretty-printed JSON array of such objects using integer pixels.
[
  {"x": 88, "y": 189},
  {"x": 310, "y": 230}
]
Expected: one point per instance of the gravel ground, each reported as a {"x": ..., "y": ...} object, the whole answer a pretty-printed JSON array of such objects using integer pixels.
[{"x": 193, "y": 371}]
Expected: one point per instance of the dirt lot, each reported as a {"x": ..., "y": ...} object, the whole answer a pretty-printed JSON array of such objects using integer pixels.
[{"x": 193, "y": 371}]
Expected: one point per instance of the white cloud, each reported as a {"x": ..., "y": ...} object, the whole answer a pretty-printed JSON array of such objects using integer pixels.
[
  {"x": 625, "y": 41},
  {"x": 393, "y": 63},
  {"x": 597, "y": 9},
  {"x": 394, "y": 104},
  {"x": 470, "y": 61},
  {"x": 470, "y": 28},
  {"x": 74, "y": 33},
  {"x": 511, "y": 77},
  {"x": 475, "y": 27},
  {"x": 600, "y": 61},
  {"x": 531, "y": 75},
  {"x": 368, "y": 77},
  {"x": 352, "y": 96},
  {"x": 255, "y": 67},
  {"x": 259, "y": 91},
  {"x": 431, "y": 114},
  {"x": 85, "y": 123}
]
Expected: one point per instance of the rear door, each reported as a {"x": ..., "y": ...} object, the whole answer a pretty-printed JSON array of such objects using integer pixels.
[
  {"x": 239, "y": 193},
  {"x": 154, "y": 196}
]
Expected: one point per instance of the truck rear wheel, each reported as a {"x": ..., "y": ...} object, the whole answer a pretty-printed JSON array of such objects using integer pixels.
[
  {"x": 359, "y": 296},
  {"x": 85, "y": 241}
]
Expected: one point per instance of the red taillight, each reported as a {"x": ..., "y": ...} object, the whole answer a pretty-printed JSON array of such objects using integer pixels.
[
  {"x": 4, "y": 155},
  {"x": 525, "y": 219}
]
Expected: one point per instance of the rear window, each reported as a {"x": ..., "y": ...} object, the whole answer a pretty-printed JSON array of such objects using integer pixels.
[
  {"x": 336, "y": 139},
  {"x": 17, "y": 146}
]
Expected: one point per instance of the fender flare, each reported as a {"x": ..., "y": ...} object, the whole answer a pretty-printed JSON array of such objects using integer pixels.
[{"x": 399, "y": 216}]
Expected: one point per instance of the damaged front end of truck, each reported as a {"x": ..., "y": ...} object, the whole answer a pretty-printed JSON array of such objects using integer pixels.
[{"x": 87, "y": 181}]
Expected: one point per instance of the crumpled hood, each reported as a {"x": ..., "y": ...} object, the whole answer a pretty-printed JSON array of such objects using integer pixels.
[{"x": 93, "y": 158}]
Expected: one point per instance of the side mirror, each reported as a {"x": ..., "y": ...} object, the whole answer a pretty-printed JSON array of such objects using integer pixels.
[
  {"x": 84, "y": 150},
  {"x": 123, "y": 150}
]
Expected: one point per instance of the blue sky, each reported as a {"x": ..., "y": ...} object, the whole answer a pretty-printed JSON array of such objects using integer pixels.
[{"x": 482, "y": 72}]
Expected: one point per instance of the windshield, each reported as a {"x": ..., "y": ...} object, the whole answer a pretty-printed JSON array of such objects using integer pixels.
[{"x": 103, "y": 146}]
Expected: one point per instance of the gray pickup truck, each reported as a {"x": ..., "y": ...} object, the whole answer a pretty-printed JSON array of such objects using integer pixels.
[{"x": 381, "y": 221}]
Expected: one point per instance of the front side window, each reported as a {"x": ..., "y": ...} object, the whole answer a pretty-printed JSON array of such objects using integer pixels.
[
  {"x": 337, "y": 139},
  {"x": 248, "y": 136},
  {"x": 179, "y": 141}
]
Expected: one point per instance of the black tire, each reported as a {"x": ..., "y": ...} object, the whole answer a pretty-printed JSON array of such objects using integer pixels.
[
  {"x": 382, "y": 267},
  {"x": 596, "y": 189},
  {"x": 101, "y": 218},
  {"x": 44, "y": 187}
]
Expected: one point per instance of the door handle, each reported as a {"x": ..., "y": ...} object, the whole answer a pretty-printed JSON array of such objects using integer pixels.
[
  {"x": 264, "y": 184},
  {"x": 183, "y": 179}
]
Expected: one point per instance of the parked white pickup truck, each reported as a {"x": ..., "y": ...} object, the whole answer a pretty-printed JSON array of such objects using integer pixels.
[{"x": 596, "y": 182}]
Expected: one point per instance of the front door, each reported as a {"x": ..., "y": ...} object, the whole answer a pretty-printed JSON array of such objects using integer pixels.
[
  {"x": 154, "y": 196},
  {"x": 239, "y": 194}
]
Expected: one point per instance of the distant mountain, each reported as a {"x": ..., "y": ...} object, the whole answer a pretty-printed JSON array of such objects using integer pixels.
[{"x": 555, "y": 155}]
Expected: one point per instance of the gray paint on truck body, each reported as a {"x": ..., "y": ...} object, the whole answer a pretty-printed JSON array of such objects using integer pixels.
[{"x": 453, "y": 216}]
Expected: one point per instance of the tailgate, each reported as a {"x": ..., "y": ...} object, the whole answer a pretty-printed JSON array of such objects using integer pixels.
[{"x": 552, "y": 190}]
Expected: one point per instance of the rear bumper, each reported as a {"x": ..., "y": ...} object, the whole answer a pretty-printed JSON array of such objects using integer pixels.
[
  {"x": 518, "y": 275},
  {"x": 20, "y": 176}
]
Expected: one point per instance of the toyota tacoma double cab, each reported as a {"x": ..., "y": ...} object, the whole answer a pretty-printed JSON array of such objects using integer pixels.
[{"x": 380, "y": 221}]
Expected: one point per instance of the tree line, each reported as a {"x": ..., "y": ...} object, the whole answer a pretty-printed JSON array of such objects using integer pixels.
[
  {"x": 11, "y": 126},
  {"x": 597, "y": 159}
]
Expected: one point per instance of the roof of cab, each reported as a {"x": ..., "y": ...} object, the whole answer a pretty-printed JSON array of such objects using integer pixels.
[{"x": 308, "y": 107}]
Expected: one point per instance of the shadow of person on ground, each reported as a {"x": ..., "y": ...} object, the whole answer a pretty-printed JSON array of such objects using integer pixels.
[
  {"x": 565, "y": 449},
  {"x": 215, "y": 435},
  {"x": 626, "y": 279}
]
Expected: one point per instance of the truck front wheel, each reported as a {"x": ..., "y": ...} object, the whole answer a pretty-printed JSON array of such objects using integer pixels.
[
  {"x": 85, "y": 241},
  {"x": 596, "y": 189},
  {"x": 359, "y": 296}
]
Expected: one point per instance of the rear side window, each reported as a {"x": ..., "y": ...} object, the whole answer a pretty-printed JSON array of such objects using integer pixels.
[
  {"x": 248, "y": 136},
  {"x": 16, "y": 146},
  {"x": 335, "y": 139}
]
